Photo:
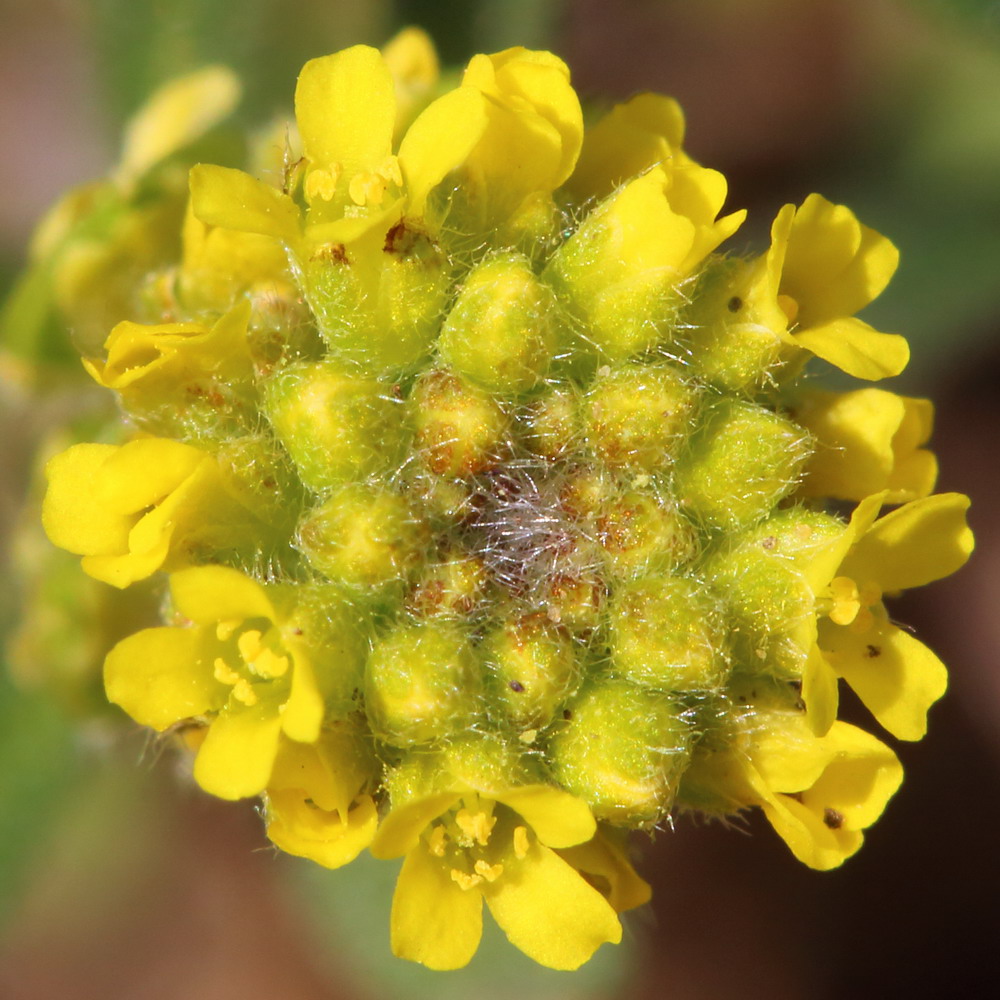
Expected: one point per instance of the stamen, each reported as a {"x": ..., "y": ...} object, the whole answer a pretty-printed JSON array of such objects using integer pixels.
[
  {"x": 464, "y": 879},
  {"x": 436, "y": 841},
  {"x": 477, "y": 826},
  {"x": 489, "y": 872},
  {"x": 521, "y": 843}
]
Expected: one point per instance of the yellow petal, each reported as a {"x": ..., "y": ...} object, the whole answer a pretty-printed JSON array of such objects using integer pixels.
[
  {"x": 806, "y": 834},
  {"x": 433, "y": 921},
  {"x": 558, "y": 818},
  {"x": 786, "y": 754},
  {"x": 439, "y": 141},
  {"x": 177, "y": 114},
  {"x": 345, "y": 106},
  {"x": 897, "y": 677},
  {"x": 548, "y": 910},
  {"x": 834, "y": 265},
  {"x": 303, "y": 712},
  {"x": 604, "y": 860},
  {"x": 919, "y": 542},
  {"x": 222, "y": 196},
  {"x": 71, "y": 518},
  {"x": 160, "y": 676},
  {"x": 400, "y": 831},
  {"x": 210, "y": 594},
  {"x": 856, "y": 348},
  {"x": 326, "y": 837},
  {"x": 641, "y": 133},
  {"x": 819, "y": 692},
  {"x": 237, "y": 756},
  {"x": 863, "y": 775}
]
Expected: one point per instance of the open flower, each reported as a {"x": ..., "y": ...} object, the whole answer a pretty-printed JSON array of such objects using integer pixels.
[
  {"x": 318, "y": 803},
  {"x": 895, "y": 675},
  {"x": 464, "y": 845},
  {"x": 133, "y": 509},
  {"x": 245, "y": 665},
  {"x": 818, "y": 792},
  {"x": 867, "y": 441}
]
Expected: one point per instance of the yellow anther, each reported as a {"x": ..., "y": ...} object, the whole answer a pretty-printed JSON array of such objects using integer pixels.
[
  {"x": 223, "y": 672},
  {"x": 846, "y": 602},
  {"x": 489, "y": 872},
  {"x": 322, "y": 184},
  {"x": 367, "y": 188},
  {"x": 476, "y": 826},
  {"x": 520, "y": 842},
  {"x": 224, "y": 630},
  {"x": 789, "y": 307},
  {"x": 244, "y": 693},
  {"x": 249, "y": 645},
  {"x": 436, "y": 841},
  {"x": 390, "y": 172},
  {"x": 269, "y": 664},
  {"x": 464, "y": 879}
]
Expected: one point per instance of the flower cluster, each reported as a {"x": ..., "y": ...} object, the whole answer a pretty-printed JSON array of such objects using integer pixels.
[{"x": 493, "y": 518}]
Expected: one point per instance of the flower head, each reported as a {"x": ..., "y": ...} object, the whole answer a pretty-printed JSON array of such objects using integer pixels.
[{"x": 497, "y": 523}]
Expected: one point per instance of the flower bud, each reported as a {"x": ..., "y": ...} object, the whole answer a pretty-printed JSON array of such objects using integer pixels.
[
  {"x": 533, "y": 666},
  {"x": 740, "y": 463},
  {"x": 460, "y": 429},
  {"x": 636, "y": 416},
  {"x": 363, "y": 537},
  {"x": 500, "y": 331},
  {"x": 421, "y": 683},
  {"x": 669, "y": 634},
  {"x": 622, "y": 750},
  {"x": 337, "y": 427}
]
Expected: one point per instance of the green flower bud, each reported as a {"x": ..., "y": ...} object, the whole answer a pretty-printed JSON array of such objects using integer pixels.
[
  {"x": 733, "y": 345},
  {"x": 636, "y": 416},
  {"x": 363, "y": 536},
  {"x": 455, "y": 586},
  {"x": 553, "y": 424},
  {"x": 534, "y": 669},
  {"x": 460, "y": 429},
  {"x": 379, "y": 307},
  {"x": 669, "y": 634},
  {"x": 337, "y": 427},
  {"x": 621, "y": 294},
  {"x": 500, "y": 332},
  {"x": 259, "y": 473},
  {"x": 422, "y": 683},
  {"x": 622, "y": 749},
  {"x": 641, "y": 533},
  {"x": 741, "y": 462}
]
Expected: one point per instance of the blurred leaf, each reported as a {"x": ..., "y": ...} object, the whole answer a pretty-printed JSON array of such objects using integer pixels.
[{"x": 38, "y": 767}]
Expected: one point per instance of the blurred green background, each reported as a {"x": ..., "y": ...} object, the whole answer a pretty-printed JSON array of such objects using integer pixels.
[{"x": 118, "y": 880}]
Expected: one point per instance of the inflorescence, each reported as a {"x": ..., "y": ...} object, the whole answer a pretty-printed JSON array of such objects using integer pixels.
[{"x": 493, "y": 517}]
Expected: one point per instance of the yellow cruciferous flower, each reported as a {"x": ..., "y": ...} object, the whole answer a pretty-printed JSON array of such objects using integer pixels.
[
  {"x": 250, "y": 670},
  {"x": 463, "y": 847}
]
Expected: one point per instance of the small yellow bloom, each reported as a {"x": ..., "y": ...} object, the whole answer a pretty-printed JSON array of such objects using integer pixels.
[
  {"x": 867, "y": 441},
  {"x": 896, "y": 676},
  {"x": 822, "y": 267},
  {"x": 464, "y": 846},
  {"x": 133, "y": 509},
  {"x": 247, "y": 666},
  {"x": 317, "y": 803}
]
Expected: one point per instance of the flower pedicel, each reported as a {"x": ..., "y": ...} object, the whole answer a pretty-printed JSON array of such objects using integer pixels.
[{"x": 493, "y": 518}]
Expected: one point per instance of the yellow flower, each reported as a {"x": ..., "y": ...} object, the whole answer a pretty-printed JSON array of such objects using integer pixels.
[
  {"x": 897, "y": 677},
  {"x": 822, "y": 267},
  {"x": 317, "y": 802},
  {"x": 133, "y": 509},
  {"x": 465, "y": 845},
  {"x": 818, "y": 792},
  {"x": 173, "y": 373},
  {"x": 867, "y": 441},
  {"x": 248, "y": 666}
]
